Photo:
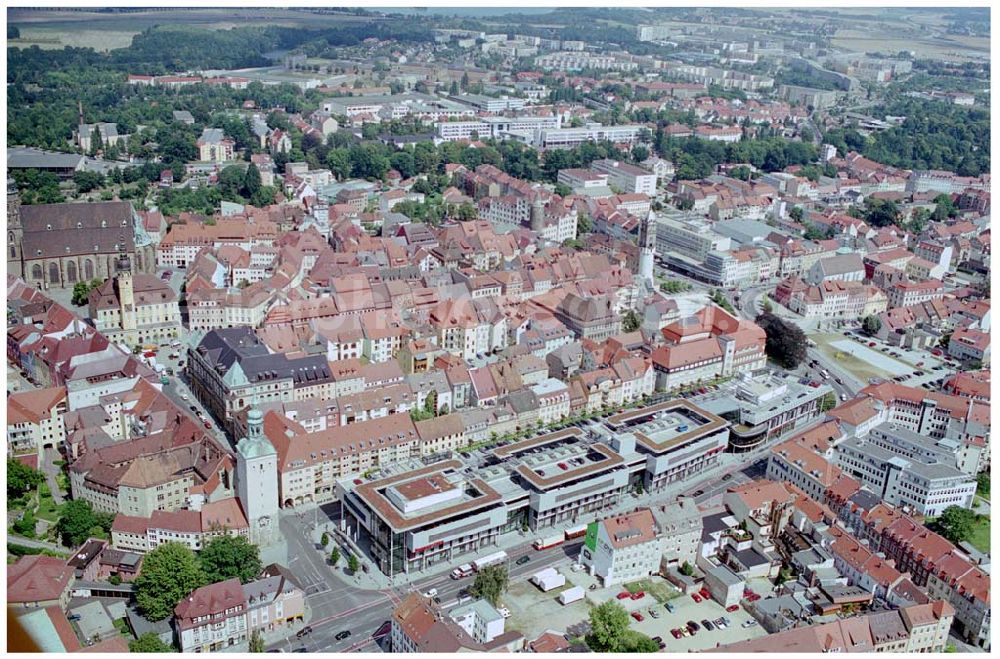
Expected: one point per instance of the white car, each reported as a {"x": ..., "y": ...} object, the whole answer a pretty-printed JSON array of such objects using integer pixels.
[
  {"x": 184, "y": 397},
  {"x": 431, "y": 593}
]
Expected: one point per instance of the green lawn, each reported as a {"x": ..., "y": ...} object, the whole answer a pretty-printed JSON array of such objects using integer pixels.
[
  {"x": 981, "y": 535},
  {"x": 659, "y": 589},
  {"x": 47, "y": 508}
]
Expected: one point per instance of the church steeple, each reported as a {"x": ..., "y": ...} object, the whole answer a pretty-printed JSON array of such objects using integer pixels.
[{"x": 15, "y": 232}]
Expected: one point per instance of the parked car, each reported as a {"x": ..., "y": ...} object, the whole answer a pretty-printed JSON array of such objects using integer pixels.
[
  {"x": 707, "y": 624},
  {"x": 734, "y": 607},
  {"x": 638, "y": 616},
  {"x": 676, "y": 633},
  {"x": 749, "y": 623},
  {"x": 305, "y": 631},
  {"x": 668, "y": 606},
  {"x": 693, "y": 626},
  {"x": 638, "y": 595},
  {"x": 624, "y": 595},
  {"x": 696, "y": 598},
  {"x": 653, "y": 612},
  {"x": 705, "y": 595},
  {"x": 208, "y": 425},
  {"x": 75, "y": 616}
]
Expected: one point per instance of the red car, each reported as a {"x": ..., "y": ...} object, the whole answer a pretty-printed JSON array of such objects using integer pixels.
[
  {"x": 639, "y": 595},
  {"x": 151, "y": 353},
  {"x": 871, "y": 344},
  {"x": 696, "y": 598},
  {"x": 563, "y": 466},
  {"x": 705, "y": 595},
  {"x": 208, "y": 425},
  {"x": 734, "y": 607},
  {"x": 937, "y": 352},
  {"x": 638, "y": 616},
  {"x": 676, "y": 633},
  {"x": 623, "y": 596}
]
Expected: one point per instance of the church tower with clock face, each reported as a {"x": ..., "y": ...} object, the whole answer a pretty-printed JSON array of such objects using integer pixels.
[{"x": 257, "y": 481}]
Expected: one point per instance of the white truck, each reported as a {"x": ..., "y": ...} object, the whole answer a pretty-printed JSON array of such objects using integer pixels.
[
  {"x": 492, "y": 559},
  {"x": 574, "y": 594}
]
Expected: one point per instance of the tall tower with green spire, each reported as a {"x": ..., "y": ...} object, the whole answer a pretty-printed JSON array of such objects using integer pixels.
[{"x": 257, "y": 480}]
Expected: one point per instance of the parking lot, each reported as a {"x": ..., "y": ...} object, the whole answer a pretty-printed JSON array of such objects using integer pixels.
[{"x": 534, "y": 611}]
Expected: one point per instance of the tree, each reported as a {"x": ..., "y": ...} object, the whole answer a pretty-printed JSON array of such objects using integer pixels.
[
  {"x": 796, "y": 213},
  {"x": 686, "y": 569},
  {"x": 230, "y": 556},
  {"x": 231, "y": 183},
  {"x": 324, "y": 539},
  {"x": 983, "y": 484},
  {"x": 338, "y": 161},
  {"x": 766, "y": 306},
  {"x": 96, "y": 144},
  {"x": 491, "y": 582},
  {"x": 786, "y": 342},
  {"x": 353, "y": 564},
  {"x": 608, "y": 627},
  {"x": 78, "y": 521},
  {"x": 882, "y": 212},
  {"x": 562, "y": 190},
  {"x": 828, "y": 402},
  {"x": 81, "y": 292},
  {"x": 149, "y": 642},
  {"x": 21, "y": 478},
  {"x": 956, "y": 524},
  {"x": 256, "y": 641},
  {"x": 631, "y": 321},
  {"x": 251, "y": 182},
  {"x": 334, "y": 555},
  {"x": 368, "y": 161},
  {"x": 169, "y": 574},
  {"x": 87, "y": 181},
  {"x": 26, "y": 524},
  {"x": 871, "y": 325}
]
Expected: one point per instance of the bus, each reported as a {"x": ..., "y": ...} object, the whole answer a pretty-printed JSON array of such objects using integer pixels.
[
  {"x": 492, "y": 559},
  {"x": 576, "y": 532}
]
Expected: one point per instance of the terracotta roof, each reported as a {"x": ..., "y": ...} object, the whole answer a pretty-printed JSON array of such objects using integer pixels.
[
  {"x": 210, "y": 600},
  {"x": 37, "y": 579},
  {"x": 631, "y": 529}
]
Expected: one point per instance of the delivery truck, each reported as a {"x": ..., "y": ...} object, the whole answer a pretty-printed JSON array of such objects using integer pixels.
[{"x": 548, "y": 543}]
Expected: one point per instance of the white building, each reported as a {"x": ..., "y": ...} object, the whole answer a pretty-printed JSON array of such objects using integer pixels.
[
  {"x": 479, "y": 619},
  {"x": 567, "y": 138},
  {"x": 628, "y": 178},
  {"x": 622, "y": 549},
  {"x": 918, "y": 482}
]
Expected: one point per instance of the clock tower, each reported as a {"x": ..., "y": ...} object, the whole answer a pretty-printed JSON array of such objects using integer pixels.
[{"x": 257, "y": 481}]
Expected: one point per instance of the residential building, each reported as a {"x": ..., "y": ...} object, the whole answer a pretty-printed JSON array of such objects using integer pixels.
[
  {"x": 622, "y": 549},
  {"x": 212, "y": 618}
]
